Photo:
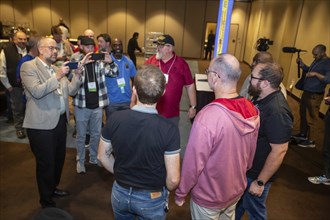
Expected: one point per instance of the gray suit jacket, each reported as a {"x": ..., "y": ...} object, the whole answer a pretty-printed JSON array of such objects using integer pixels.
[{"x": 43, "y": 100}]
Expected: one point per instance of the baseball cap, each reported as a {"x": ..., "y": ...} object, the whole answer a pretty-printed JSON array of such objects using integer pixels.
[
  {"x": 87, "y": 41},
  {"x": 165, "y": 39}
]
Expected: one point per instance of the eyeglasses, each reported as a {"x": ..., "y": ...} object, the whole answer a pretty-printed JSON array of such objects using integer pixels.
[
  {"x": 208, "y": 71},
  {"x": 253, "y": 77},
  {"x": 52, "y": 48}
]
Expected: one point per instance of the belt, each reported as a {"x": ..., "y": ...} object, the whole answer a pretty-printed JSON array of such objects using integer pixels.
[{"x": 134, "y": 189}]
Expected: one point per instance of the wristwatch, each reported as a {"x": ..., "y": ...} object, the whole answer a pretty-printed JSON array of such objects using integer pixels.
[{"x": 260, "y": 183}]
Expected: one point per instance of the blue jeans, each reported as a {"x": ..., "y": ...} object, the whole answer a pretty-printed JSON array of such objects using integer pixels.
[
  {"x": 254, "y": 205},
  {"x": 88, "y": 120},
  {"x": 128, "y": 204}
]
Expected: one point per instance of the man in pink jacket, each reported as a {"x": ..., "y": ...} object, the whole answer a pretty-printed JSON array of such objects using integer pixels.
[{"x": 221, "y": 146}]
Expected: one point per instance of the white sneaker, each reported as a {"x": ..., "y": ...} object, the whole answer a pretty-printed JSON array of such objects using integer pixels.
[
  {"x": 80, "y": 167},
  {"x": 319, "y": 180}
]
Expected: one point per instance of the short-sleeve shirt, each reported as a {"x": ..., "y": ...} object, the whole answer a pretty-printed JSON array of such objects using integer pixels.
[
  {"x": 276, "y": 122},
  {"x": 127, "y": 71},
  {"x": 179, "y": 76},
  {"x": 140, "y": 138}
]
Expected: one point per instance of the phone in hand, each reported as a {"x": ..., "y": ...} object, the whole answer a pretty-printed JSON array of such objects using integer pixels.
[
  {"x": 72, "y": 65},
  {"x": 97, "y": 56}
]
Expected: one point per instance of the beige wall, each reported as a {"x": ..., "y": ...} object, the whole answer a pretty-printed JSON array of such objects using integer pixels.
[
  {"x": 298, "y": 23},
  {"x": 185, "y": 20},
  {"x": 295, "y": 23}
]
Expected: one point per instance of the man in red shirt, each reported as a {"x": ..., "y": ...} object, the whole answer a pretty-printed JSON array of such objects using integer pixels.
[{"x": 178, "y": 75}]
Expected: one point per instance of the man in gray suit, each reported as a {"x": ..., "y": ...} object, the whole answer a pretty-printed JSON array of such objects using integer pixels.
[{"x": 47, "y": 112}]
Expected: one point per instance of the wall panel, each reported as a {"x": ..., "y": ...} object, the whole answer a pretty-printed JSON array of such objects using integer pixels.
[
  {"x": 79, "y": 18},
  {"x": 155, "y": 16},
  {"x": 194, "y": 23},
  {"x": 117, "y": 21},
  {"x": 61, "y": 9},
  {"x": 7, "y": 11},
  {"x": 23, "y": 15},
  {"x": 136, "y": 15},
  {"x": 41, "y": 16},
  {"x": 98, "y": 16},
  {"x": 240, "y": 16},
  {"x": 174, "y": 22}
]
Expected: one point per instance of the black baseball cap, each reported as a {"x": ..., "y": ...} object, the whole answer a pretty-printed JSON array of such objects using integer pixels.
[
  {"x": 87, "y": 41},
  {"x": 165, "y": 39}
]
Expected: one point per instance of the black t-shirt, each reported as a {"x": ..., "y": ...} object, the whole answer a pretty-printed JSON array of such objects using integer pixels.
[
  {"x": 139, "y": 142},
  {"x": 276, "y": 121},
  {"x": 92, "y": 98}
]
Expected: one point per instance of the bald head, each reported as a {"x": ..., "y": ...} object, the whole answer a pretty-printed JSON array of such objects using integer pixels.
[
  {"x": 20, "y": 39},
  {"x": 319, "y": 52},
  {"x": 48, "y": 50},
  {"x": 89, "y": 33},
  {"x": 227, "y": 66}
]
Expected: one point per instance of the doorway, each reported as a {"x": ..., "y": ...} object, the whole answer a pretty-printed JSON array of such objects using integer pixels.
[
  {"x": 210, "y": 26},
  {"x": 232, "y": 41}
]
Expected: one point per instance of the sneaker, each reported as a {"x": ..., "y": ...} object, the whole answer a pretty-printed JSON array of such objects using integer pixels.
[
  {"x": 306, "y": 143},
  {"x": 319, "y": 180},
  {"x": 299, "y": 137},
  {"x": 81, "y": 168},
  {"x": 95, "y": 162}
]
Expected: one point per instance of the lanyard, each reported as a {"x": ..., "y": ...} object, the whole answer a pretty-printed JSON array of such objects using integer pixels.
[
  {"x": 86, "y": 73},
  {"x": 160, "y": 66}
]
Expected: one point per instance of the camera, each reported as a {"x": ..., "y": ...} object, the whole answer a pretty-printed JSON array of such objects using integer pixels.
[
  {"x": 97, "y": 56},
  {"x": 72, "y": 65},
  {"x": 262, "y": 44}
]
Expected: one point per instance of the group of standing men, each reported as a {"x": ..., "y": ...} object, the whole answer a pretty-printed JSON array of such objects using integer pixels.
[
  {"x": 234, "y": 149},
  {"x": 232, "y": 154}
]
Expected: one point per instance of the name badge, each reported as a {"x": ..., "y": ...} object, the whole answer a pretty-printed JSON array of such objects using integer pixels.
[
  {"x": 92, "y": 87},
  {"x": 121, "y": 82},
  {"x": 166, "y": 78}
]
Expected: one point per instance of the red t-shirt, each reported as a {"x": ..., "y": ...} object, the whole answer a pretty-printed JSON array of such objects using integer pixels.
[{"x": 179, "y": 75}]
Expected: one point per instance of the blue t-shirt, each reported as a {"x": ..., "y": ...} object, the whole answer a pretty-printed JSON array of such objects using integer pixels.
[{"x": 119, "y": 88}]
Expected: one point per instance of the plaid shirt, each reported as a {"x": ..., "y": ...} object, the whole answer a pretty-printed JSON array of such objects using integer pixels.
[{"x": 101, "y": 69}]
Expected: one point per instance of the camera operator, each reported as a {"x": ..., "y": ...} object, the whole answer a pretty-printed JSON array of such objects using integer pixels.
[{"x": 317, "y": 76}]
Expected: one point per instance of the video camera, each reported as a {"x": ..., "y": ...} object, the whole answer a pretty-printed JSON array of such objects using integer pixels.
[{"x": 262, "y": 44}]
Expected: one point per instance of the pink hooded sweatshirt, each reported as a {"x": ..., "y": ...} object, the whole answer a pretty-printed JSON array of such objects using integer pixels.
[{"x": 220, "y": 150}]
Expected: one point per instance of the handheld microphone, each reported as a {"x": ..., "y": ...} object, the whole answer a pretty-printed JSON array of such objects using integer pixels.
[{"x": 292, "y": 50}]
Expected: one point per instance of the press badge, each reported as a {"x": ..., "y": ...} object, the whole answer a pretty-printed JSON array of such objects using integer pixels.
[
  {"x": 92, "y": 87},
  {"x": 121, "y": 84},
  {"x": 166, "y": 78}
]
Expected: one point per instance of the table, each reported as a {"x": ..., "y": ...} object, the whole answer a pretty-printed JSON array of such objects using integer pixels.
[{"x": 204, "y": 94}]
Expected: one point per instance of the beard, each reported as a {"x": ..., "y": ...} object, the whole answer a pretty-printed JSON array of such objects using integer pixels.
[
  {"x": 159, "y": 56},
  {"x": 254, "y": 91}
]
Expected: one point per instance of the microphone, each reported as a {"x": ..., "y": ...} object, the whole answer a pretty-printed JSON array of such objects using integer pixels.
[{"x": 292, "y": 50}]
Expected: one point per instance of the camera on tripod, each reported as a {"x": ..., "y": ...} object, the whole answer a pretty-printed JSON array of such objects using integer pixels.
[{"x": 263, "y": 44}]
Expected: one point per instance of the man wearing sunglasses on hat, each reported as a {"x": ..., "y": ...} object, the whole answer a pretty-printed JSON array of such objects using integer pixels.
[{"x": 177, "y": 75}]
